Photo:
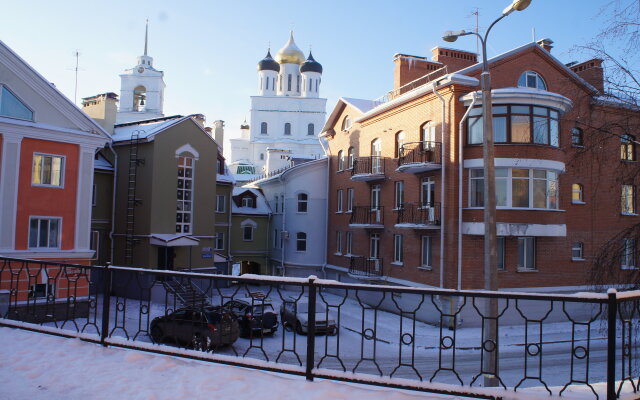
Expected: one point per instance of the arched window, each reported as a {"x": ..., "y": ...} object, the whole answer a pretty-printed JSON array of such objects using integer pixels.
[
  {"x": 301, "y": 241},
  {"x": 261, "y": 156},
  {"x": 303, "y": 200},
  {"x": 289, "y": 83},
  {"x": 346, "y": 123},
  {"x": 350, "y": 157},
  {"x": 577, "y": 193},
  {"x": 139, "y": 98},
  {"x": 532, "y": 80},
  {"x": 340, "y": 160},
  {"x": 576, "y": 137},
  {"x": 263, "y": 128},
  {"x": 376, "y": 156},
  {"x": 298, "y": 83},
  {"x": 627, "y": 147},
  {"x": 310, "y": 129},
  {"x": 428, "y": 135},
  {"x": 287, "y": 129},
  {"x": 400, "y": 139}
]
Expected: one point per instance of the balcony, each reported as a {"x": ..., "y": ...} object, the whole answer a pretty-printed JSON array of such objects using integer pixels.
[
  {"x": 365, "y": 267},
  {"x": 368, "y": 169},
  {"x": 367, "y": 217},
  {"x": 417, "y": 216},
  {"x": 417, "y": 157}
]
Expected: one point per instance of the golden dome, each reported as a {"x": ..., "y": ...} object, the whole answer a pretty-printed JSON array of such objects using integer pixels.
[{"x": 290, "y": 53}]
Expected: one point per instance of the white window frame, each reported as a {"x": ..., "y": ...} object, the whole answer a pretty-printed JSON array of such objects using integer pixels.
[
  {"x": 186, "y": 166},
  {"x": 529, "y": 243},
  {"x": 398, "y": 250},
  {"x": 628, "y": 200},
  {"x": 339, "y": 200},
  {"x": 63, "y": 162},
  {"x": 629, "y": 257},
  {"x": 374, "y": 246},
  {"x": 541, "y": 84},
  {"x": 399, "y": 195},
  {"x": 58, "y": 236},
  {"x": 247, "y": 202},
  {"x": 427, "y": 185},
  {"x": 577, "y": 189},
  {"x": 350, "y": 200},
  {"x": 577, "y": 251},
  {"x": 376, "y": 191},
  {"x": 244, "y": 233},
  {"x": 426, "y": 242},
  {"x": 300, "y": 202},
  {"x": 349, "y": 243},
  {"x": 340, "y": 161},
  {"x": 350, "y": 157},
  {"x": 219, "y": 239},
  {"x": 300, "y": 240},
  {"x": 221, "y": 199},
  {"x": 338, "y": 242}
]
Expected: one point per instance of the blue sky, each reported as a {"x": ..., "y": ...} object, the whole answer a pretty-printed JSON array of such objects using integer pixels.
[{"x": 209, "y": 49}]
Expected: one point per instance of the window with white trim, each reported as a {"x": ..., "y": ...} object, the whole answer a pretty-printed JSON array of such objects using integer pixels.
[
  {"x": 517, "y": 188},
  {"x": 247, "y": 202},
  {"x": 44, "y": 232},
  {"x": 219, "y": 242},
  {"x": 339, "y": 199},
  {"x": 400, "y": 140},
  {"x": 427, "y": 192},
  {"x": 532, "y": 80},
  {"x": 374, "y": 246},
  {"x": 185, "y": 195},
  {"x": 48, "y": 170},
  {"x": 263, "y": 128},
  {"x": 340, "y": 160},
  {"x": 310, "y": 130},
  {"x": 247, "y": 233},
  {"x": 346, "y": 123},
  {"x": 11, "y": 106},
  {"x": 628, "y": 254},
  {"x": 577, "y": 138},
  {"x": 301, "y": 241},
  {"x": 338, "y": 242},
  {"x": 627, "y": 147},
  {"x": 221, "y": 203},
  {"x": 399, "y": 195},
  {"x": 526, "y": 253},
  {"x": 577, "y": 251},
  {"x": 628, "y": 199},
  {"x": 287, "y": 128},
  {"x": 350, "y": 157},
  {"x": 375, "y": 196},
  {"x": 349, "y": 242},
  {"x": 426, "y": 252},
  {"x": 41, "y": 290},
  {"x": 577, "y": 194},
  {"x": 398, "y": 250},
  {"x": 303, "y": 200},
  {"x": 350, "y": 200}
]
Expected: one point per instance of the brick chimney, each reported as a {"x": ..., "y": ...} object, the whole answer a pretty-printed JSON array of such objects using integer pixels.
[
  {"x": 592, "y": 72},
  {"x": 455, "y": 60},
  {"x": 102, "y": 108},
  {"x": 409, "y": 68},
  {"x": 545, "y": 44}
]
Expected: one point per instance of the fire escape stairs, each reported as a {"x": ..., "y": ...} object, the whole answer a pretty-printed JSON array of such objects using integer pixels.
[
  {"x": 186, "y": 293},
  {"x": 132, "y": 201}
]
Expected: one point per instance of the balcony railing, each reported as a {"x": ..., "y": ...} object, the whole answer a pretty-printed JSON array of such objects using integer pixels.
[
  {"x": 367, "y": 217},
  {"x": 368, "y": 168},
  {"x": 419, "y": 216},
  {"x": 423, "y": 80},
  {"x": 419, "y": 157},
  {"x": 365, "y": 267}
]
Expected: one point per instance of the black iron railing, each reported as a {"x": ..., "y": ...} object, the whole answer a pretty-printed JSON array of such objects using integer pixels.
[
  {"x": 372, "y": 165},
  {"x": 367, "y": 215},
  {"x": 432, "y": 340},
  {"x": 419, "y": 214},
  {"x": 365, "y": 266},
  {"x": 420, "y": 153}
]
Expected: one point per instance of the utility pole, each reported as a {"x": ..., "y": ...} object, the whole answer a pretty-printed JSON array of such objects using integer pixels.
[{"x": 75, "y": 95}]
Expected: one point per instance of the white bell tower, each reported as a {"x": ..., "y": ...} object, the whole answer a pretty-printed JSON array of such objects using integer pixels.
[{"x": 141, "y": 89}]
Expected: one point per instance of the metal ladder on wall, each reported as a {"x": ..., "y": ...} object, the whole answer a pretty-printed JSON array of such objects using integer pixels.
[{"x": 132, "y": 201}]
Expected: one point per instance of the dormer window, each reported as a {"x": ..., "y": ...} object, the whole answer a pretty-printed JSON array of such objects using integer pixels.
[
  {"x": 247, "y": 202},
  {"x": 12, "y": 107},
  {"x": 532, "y": 80}
]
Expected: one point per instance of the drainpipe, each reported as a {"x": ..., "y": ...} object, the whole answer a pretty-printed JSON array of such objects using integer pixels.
[
  {"x": 442, "y": 186},
  {"x": 228, "y": 241},
  {"x": 284, "y": 226},
  {"x": 113, "y": 201},
  {"x": 460, "y": 183},
  {"x": 326, "y": 215}
]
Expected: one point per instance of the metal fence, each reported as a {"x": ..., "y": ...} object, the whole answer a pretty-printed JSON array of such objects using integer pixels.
[{"x": 413, "y": 338}]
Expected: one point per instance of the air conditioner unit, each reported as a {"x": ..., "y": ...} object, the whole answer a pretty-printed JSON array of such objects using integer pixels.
[{"x": 285, "y": 234}]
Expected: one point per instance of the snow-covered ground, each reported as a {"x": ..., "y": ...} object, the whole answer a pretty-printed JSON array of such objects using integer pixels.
[{"x": 357, "y": 353}]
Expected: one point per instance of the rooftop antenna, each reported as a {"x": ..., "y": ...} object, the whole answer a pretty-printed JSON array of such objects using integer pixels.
[
  {"x": 75, "y": 95},
  {"x": 477, "y": 14}
]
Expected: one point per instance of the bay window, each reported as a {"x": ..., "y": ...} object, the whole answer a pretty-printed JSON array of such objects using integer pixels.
[{"x": 517, "y": 188}]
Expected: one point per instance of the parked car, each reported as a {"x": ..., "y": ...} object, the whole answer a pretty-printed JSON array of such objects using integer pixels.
[
  {"x": 202, "y": 328},
  {"x": 256, "y": 317},
  {"x": 296, "y": 315}
]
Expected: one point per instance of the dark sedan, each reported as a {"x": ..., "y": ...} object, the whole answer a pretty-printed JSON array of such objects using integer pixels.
[
  {"x": 202, "y": 328},
  {"x": 256, "y": 317}
]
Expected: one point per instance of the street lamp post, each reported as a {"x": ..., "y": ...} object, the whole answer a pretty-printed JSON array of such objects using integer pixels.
[{"x": 490, "y": 342}]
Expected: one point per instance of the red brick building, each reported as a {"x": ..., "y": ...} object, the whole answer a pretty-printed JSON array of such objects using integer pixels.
[{"x": 405, "y": 197}]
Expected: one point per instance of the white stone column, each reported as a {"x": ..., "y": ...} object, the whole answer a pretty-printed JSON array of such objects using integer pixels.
[
  {"x": 84, "y": 197},
  {"x": 9, "y": 177}
]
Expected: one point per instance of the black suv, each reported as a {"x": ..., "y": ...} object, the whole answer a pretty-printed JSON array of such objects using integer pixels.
[
  {"x": 256, "y": 317},
  {"x": 202, "y": 328}
]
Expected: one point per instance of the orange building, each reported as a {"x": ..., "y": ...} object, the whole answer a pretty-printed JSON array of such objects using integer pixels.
[
  {"x": 406, "y": 173},
  {"x": 47, "y": 150}
]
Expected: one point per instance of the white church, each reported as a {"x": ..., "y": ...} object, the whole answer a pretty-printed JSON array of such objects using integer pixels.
[{"x": 286, "y": 116}]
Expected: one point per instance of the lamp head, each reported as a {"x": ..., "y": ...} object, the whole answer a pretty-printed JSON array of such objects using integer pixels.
[
  {"x": 516, "y": 5},
  {"x": 452, "y": 36}
]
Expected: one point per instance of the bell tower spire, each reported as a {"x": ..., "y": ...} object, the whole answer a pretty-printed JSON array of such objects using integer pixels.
[{"x": 146, "y": 37}]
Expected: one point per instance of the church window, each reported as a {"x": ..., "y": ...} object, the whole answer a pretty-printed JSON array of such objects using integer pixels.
[
  {"x": 289, "y": 83},
  {"x": 287, "y": 129},
  {"x": 263, "y": 128},
  {"x": 185, "y": 194},
  {"x": 261, "y": 156},
  {"x": 317, "y": 80},
  {"x": 310, "y": 129},
  {"x": 261, "y": 81},
  {"x": 12, "y": 107},
  {"x": 298, "y": 83},
  {"x": 139, "y": 98}
]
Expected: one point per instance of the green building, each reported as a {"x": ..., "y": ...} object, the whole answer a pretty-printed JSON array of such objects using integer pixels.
[{"x": 250, "y": 239}]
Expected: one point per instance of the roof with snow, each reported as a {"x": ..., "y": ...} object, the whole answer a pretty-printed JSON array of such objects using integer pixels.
[
  {"x": 261, "y": 205},
  {"x": 101, "y": 163},
  {"x": 146, "y": 129}
]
